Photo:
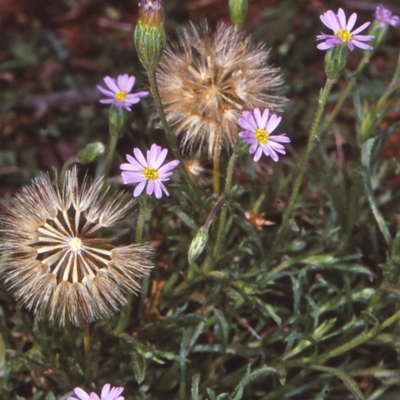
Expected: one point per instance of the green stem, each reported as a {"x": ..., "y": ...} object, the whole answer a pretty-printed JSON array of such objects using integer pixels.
[
  {"x": 222, "y": 221},
  {"x": 344, "y": 348},
  {"x": 125, "y": 312},
  {"x": 304, "y": 160},
  {"x": 362, "y": 338},
  {"x": 141, "y": 218},
  {"x": 110, "y": 156},
  {"x": 353, "y": 210},
  {"x": 346, "y": 92},
  {"x": 382, "y": 100},
  {"x": 170, "y": 136},
  {"x": 396, "y": 74}
]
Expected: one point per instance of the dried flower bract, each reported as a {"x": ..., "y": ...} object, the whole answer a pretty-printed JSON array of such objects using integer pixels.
[
  {"x": 60, "y": 261},
  {"x": 207, "y": 80}
]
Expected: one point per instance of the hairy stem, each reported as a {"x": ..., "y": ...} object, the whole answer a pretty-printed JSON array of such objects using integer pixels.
[
  {"x": 125, "y": 312},
  {"x": 328, "y": 121},
  {"x": 304, "y": 160},
  {"x": 222, "y": 221},
  {"x": 110, "y": 156}
]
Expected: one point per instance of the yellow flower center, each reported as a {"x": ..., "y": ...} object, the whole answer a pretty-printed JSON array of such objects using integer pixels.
[
  {"x": 261, "y": 135},
  {"x": 121, "y": 95},
  {"x": 150, "y": 173},
  {"x": 344, "y": 35},
  {"x": 75, "y": 244}
]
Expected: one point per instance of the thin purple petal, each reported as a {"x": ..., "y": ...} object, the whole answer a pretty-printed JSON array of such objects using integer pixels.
[
  {"x": 159, "y": 159},
  {"x": 264, "y": 119},
  {"x": 363, "y": 38},
  {"x": 157, "y": 189},
  {"x": 150, "y": 187},
  {"x": 163, "y": 188},
  {"x": 361, "y": 28},
  {"x": 81, "y": 394},
  {"x": 139, "y": 189},
  {"x": 140, "y": 157},
  {"x": 351, "y": 22},
  {"x": 341, "y": 18},
  {"x": 142, "y": 93},
  {"x": 106, "y": 92},
  {"x": 168, "y": 167},
  {"x": 361, "y": 45},
  {"x": 111, "y": 84},
  {"x": 273, "y": 154},
  {"x": 134, "y": 163},
  {"x": 257, "y": 116},
  {"x": 132, "y": 177},
  {"x": 106, "y": 101},
  {"x": 244, "y": 124},
  {"x": 122, "y": 80},
  {"x": 106, "y": 388},
  {"x": 276, "y": 146},
  {"x": 325, "y": 46},
  {"x": 258, "y": 154},
  {"x": 273, "y": 122},
  {"x": 280, "y": 138}
]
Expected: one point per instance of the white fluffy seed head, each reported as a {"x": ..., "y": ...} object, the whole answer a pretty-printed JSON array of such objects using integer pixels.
[
  {"x": 207, "y": 80},
  {"x": 59, "y": 260}
]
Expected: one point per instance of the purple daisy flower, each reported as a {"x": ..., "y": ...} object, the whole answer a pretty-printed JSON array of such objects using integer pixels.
[
  {"x": 257, "y": 134},
  {"x": 148, "y": 171},
  {"x": 107, "y": 393},
  {"x": 386, "y": 17},
  {"x": 118, "y": 92},
  {"x": 342, "y": 31}
]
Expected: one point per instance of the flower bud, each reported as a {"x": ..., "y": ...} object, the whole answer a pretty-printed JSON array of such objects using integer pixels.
[
  {"x": 238, "y": 11},
  {"x": 90, "y": 153},
  {"x": 116, "y": 121},
  {"x": 198, "y": 244},
  {"x": 336, "y": 60},
  {"x": 149, "y": 35}
]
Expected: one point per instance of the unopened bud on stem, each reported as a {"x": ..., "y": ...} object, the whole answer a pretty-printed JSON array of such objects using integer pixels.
[
  {"x": 149, "y": 35},
  {"x": 197, "y": 245},
  {"x": 90, "y": 153},
  {"x": 238, "y": 11}
]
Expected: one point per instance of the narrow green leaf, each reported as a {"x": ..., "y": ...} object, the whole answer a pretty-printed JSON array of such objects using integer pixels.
[
  {"x": 223, "y": 325},
  {"x": 366, "y": 173},
  {"x": 249, "y": 377},
  {"x": 50, "y": 396},
  {"x": 195, "y": 387},
  {"x": 139, "y": 366},
  {"x": 211, "y": 394},
  {"x": 350, "y": 383}
]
